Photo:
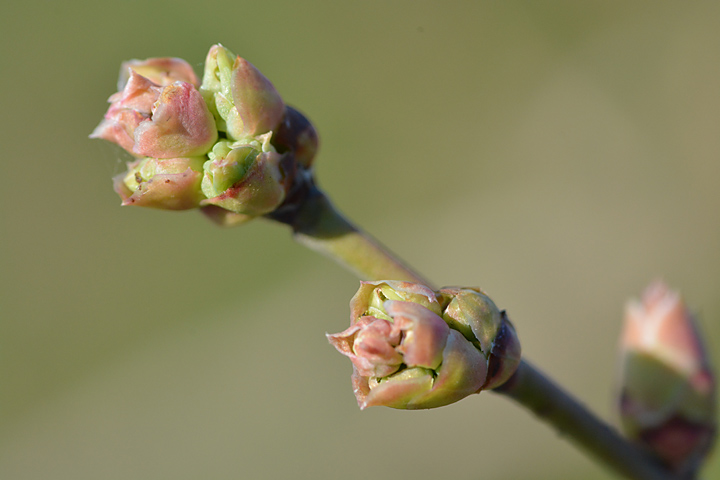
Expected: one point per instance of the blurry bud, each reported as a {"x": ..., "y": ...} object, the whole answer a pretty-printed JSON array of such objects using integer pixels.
[
  {"x": 243, "y": 100},
  {"x": 412, "y": 361},
  {"x": 147, "y": 119},
  {"x": 667, "y": 395},
  {"x": 297, "y": 134},
  {"x": 167, "y": 183},
  {"x": 162, "y": 71},
  {"x": 475, "y": 315},
  {"x": 414, "y": 348},
  {"x": 244, "y": 178}
]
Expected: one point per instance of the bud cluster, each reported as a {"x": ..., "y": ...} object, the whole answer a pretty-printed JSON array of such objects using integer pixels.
[
  {"x": 414, "y": 348},
  {"x": 228, "y": 145}
]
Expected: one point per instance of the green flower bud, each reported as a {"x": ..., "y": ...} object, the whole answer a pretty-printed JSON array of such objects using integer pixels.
[
  {"x": 166, "y": 183},
  {"x": 244, "y": 178},
  {"x": 371, "y": 297},
  {"x": 243, "y": 100},
  {"x": 475, "y": 315},
  {"x": 415, "y": 348},
  {"x": 667, "y": 396}
]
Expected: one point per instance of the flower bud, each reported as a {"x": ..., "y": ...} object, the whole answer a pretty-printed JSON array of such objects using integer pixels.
[
  {"x": 415, "y": 348},
  {"x": 475, "y": 315},
  {"x": 162, "y": 71},
  {"x": 412, "y": 361},
  {"x": 667, "y": 394},
  {"x": 147, "y": 119},
  {"x": 244, "y": 178},
  {"x": 129, "y": 107},
  {"x": 371, "y": 297},
  {"x": 243, "y": 100},
  {"x": 167, "y": 183},
  {"x": 296, "y": 134},
  {"x": 180, "y": 125}
]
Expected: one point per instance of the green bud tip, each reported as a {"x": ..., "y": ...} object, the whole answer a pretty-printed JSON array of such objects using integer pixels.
[
  {"x": 245, "y": 103},
  {"x": 244, "y": 178}
]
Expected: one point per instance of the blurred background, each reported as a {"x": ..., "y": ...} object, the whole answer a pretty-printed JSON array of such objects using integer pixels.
[{"x": 560, "y": 155}]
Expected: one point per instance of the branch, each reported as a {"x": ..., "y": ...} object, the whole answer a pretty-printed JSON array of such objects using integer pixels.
[{"x": 320, "y": 227}]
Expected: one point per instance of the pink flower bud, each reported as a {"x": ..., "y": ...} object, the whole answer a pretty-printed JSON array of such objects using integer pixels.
[
  {"x": 128, "y": 109},
  {"x": 180, "y": 125},
  {"x": 166, "y": 183},
  {"x": 667, "y": 395},
  {"x": 371, "y": 346},
  {"x": 472, "y": 347},
  {"x": 404, "y": 354},
  {"x": 147, "y": 119},
  {"x": 162, "y": 71},
  {"x": 424, "y": 337}
]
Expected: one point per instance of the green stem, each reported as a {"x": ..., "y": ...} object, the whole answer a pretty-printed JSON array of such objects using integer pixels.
[{"x": 319, "y": 226}]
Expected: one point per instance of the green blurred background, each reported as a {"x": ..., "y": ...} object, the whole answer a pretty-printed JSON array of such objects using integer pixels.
[{"x": 561, "y": 155}]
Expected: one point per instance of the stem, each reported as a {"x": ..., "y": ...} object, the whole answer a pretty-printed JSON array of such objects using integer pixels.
[
  {"x": 319, "y": 226},
  {"x": 533, "y": 390}
]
